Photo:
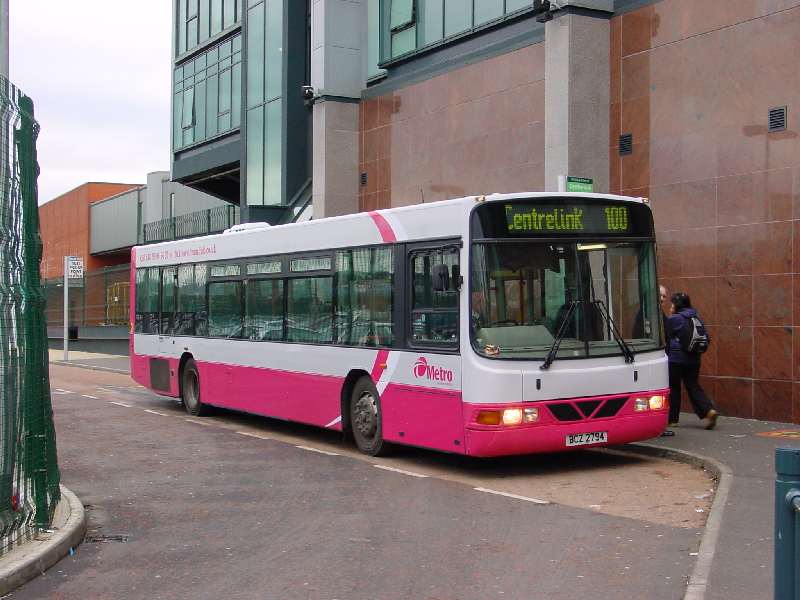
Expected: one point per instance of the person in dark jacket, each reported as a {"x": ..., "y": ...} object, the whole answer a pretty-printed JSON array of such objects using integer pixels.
[{"x": 684, "y": 367}]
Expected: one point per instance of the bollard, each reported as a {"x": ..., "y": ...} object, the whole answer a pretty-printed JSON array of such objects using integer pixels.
[{"x": 787, "y": 523}]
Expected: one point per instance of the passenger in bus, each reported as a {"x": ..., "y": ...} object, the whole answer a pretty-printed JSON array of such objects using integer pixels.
[
  {"x": 478, "y": 317},
  {"x": 684, "y": 367}
]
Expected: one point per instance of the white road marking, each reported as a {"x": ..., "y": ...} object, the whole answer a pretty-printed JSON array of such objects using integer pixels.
[
  {"x": 401, "y": 471},
  {"x": 317, "y": 450},
  {"x": 155, "y": 412},
  {"x": 88, "y": 396},
  {"x": 203, "y": 423},
  {"x": 335, "y": 421},
  {"x": 122, "y": 404},
  {"x": 254, "y": 435},
  {"x": 508, "y": 495},
  {"x": 59, "y": 391}
]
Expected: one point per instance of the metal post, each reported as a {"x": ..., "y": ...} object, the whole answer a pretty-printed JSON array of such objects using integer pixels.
[
  {"x": 787, "y": 523},
  {"x": 66, "y": 308}
]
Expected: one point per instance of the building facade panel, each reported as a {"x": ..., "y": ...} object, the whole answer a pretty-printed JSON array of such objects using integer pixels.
[
  {"x": 693, "y": 83},
  {"x": 114, "y": 223},
  {"x": 478, "y": 129},
  {"x": 64, "y": 223}
]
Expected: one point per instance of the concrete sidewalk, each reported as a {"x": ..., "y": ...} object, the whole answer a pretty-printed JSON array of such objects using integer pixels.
[
  {"x": 741, "y": 566},
  {"x": 92, "y": 360}
]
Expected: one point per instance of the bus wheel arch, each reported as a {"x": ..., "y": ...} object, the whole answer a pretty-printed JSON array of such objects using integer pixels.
[
  {"x": 347, "y": 394},
  {"x": 365, "y": 417},
  {"x": 189, "y": 386}
]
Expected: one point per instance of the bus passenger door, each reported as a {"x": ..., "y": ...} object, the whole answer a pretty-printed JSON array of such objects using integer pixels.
[{"x": 422, "y": 405}]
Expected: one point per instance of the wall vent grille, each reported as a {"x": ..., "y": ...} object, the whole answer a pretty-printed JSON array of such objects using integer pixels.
[
  {"x": 777, "y": 119},
  {"x": 626, "y": 144}
]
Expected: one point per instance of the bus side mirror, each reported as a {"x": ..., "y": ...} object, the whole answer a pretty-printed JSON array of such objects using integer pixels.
[{"x": 440, "y": 278}]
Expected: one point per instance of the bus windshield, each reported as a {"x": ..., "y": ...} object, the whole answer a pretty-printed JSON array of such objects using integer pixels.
[{"x": 523, "y": 293}]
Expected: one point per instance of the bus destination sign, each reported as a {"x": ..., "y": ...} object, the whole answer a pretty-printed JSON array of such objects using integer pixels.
[{"x": 564, "y": 219}]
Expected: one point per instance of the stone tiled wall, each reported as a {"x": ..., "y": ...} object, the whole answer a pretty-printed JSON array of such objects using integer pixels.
[
  {"x": 693, "y": 82},
  {"x": 478, "y": 129}
]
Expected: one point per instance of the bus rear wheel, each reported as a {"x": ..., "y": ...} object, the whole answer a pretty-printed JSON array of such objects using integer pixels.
[
  {"x": 365, "y": 418},
  {"x": 190, "y": 390}
]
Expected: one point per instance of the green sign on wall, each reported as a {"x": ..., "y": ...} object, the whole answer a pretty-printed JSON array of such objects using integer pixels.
[{"x": 580, "y": 184}]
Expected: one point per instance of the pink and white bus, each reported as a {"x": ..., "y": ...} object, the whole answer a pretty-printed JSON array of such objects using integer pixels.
[{"x": 486, "y": 326}]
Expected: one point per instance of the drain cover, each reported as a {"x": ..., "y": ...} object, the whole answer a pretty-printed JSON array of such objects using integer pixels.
[{"x": 96, "y": 539}]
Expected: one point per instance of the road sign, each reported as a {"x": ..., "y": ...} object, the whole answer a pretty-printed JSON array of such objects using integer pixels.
[
  {"x": 75, "y": 267},
  {"x": 580, "y": 184},
  {"x": 73, "y": 277}
]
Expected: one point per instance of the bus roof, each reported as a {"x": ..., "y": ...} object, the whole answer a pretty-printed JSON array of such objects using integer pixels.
[{"x": 434, "y": 220}]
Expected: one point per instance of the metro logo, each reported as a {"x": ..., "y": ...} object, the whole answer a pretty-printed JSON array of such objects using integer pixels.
[{"x": 431, "y": 372}]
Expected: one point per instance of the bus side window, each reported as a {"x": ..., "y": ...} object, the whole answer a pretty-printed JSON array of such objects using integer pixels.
[
  {"x": 184, "y": 304},
  {"x": 265, "y": 310},
  {"x": 434, "y": 314},
  {"x": 200, "y": 303},
  {"x": 309, "y": 317},
  {"x": 225, "y": 309},
  {"x": 167, "y": 301},
  {"x": 191, "y": 315},
  {"x": 141, "y": 300},
  {"x": 365, "y": 296}
]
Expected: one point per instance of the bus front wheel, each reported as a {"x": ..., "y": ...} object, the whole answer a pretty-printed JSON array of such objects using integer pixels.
[
  {"x": 365, "y": 418},
  {"x": 190, "y": 389}
]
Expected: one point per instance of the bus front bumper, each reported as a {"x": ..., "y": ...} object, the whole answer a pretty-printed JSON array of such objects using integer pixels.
[{"x": 552, "y": 435}]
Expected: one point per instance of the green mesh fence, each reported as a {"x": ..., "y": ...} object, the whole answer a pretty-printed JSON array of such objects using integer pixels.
[{"x": 29, "y": 476}]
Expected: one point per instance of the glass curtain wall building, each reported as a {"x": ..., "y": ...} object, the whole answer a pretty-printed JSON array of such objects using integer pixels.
[
  {"x": 235, "y": 90},
  {"x": 407, "y": 26}
]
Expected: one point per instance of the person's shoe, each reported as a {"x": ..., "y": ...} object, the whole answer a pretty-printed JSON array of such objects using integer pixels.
[
  {"x": 667, "y": 433},
  {"x": 711, "y": 419}
]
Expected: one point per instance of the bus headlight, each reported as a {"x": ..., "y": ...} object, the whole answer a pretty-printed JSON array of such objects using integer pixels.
[
  {"x": 508, "y": 417},
  {"x": 654, "y": 402},
  {"x": 512, "y": 416}
]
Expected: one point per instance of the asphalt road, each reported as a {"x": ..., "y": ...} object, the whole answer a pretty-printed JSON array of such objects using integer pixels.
[{"x": 238, "y": 507}]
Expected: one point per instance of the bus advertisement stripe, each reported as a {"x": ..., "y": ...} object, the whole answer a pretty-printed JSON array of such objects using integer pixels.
[
  {"x": 386, "y": 231},
  {"x": 379, "y": 365}
]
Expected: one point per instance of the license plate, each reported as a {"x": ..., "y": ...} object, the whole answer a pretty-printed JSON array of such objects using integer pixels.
[{"x": 582, "y": 439}]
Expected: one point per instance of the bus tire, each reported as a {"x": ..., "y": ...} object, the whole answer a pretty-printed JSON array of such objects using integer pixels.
[
  {"x": 365, "y": 418},
  {"x": 190, "y": 389}
]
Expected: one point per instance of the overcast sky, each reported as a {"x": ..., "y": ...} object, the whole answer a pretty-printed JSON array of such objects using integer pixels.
[{"x": 99, "y": 76}]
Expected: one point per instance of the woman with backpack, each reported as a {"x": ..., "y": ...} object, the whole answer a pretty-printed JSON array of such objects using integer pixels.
[{"x": 686, "y": 342}]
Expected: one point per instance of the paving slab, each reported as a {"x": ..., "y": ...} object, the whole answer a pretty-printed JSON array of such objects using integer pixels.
[{"x": 743, "y": 560}]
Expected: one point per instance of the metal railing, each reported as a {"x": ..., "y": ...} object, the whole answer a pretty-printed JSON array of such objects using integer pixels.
[
  {"x": 787, "y": 524},
  {"x": 201, "y": 222}
]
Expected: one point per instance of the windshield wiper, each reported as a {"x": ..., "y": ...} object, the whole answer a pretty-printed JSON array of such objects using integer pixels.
[
  {"x": 626, "y": 350},
  {"x": 551, "y": 356}
]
